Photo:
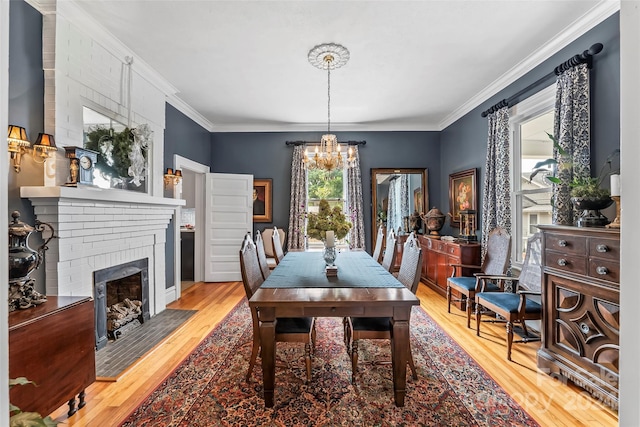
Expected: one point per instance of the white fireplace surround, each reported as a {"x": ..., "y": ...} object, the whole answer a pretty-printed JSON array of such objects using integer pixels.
[{"x": 101, "y": 228}]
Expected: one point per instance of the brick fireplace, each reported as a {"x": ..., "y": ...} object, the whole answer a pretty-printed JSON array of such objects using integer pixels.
[{"x": 98, "y": 229}]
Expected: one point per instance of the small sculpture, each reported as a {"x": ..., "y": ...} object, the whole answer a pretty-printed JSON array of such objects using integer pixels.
[{"x": 435, "y": 221}]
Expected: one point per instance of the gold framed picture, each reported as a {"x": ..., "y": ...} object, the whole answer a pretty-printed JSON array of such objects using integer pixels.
[{"x": 262, "y": 200}]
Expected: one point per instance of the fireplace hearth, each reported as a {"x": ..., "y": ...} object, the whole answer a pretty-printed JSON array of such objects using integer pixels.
[{"x": 121, "y": 295}]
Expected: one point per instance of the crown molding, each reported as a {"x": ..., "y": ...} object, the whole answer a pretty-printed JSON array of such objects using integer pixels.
[
  {"x": 70, "y": 10},
  {"x": 321, "y": 128},
  {"x": 190, "y": 112},
  {"x": 583, "y": 24}
]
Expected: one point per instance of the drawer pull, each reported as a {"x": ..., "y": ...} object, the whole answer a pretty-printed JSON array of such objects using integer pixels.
[
  {"x": 602, "y": 270},
  {"x": 562, "y": 243},
  {"x": 584, "y": 328},
  {"x": 602, "y": 248},
  {"x": 333, "y": 309},
  {"x": 562, "y": 262}
]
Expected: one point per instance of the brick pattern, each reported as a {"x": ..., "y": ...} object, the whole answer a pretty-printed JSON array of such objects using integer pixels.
[{"x": 93, "y": 235}]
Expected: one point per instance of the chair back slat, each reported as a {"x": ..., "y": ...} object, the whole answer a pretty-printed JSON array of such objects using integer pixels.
[
  {"x": 378, "y": 248},
  {"x": 497, "y": 256},
  {"x": 249, "y": 266},
  {"x": 390, "y": 251},
  {"x": 411, "y": 265},
  {"x": 278, "y": 252},
  {"x": 262, "y": 257},
  {"x": 531, "y": 274}
]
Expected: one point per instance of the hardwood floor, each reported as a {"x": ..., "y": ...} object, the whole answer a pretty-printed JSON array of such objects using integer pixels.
[{"x": 545, "y": 399}]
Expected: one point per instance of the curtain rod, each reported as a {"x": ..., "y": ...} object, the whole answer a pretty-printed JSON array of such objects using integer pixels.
[
  {"x": 316, "y": 143},
  {"x": 585, "y": 57}
]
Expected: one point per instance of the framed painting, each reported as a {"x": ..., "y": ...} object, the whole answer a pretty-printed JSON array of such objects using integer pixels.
[
  {"x": 262, "y": 200},
  {"x": 463, "y": 193}
]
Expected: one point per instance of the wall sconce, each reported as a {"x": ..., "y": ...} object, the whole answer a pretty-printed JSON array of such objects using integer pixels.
[
  {"x": 18, "y": 141},
  {"x": 172, "y": 178},
  {"x": 44, "y": 144}
]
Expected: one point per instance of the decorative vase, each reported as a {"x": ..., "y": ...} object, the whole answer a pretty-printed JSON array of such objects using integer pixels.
[
  {"x": 329, "y": 255},
  {"x": 435, "y": 221},
  {"x": 590, "y": 207}
]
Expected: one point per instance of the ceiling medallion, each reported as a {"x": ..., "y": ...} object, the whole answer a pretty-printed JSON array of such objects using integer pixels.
[{"x": 328, "y": 56}]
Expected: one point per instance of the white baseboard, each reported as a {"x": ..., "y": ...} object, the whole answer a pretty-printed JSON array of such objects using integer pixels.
[{"x": 170, "y": 295}]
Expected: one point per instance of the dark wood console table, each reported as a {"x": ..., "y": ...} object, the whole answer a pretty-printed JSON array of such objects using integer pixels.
[
  {"x": 581, "y": 308},
  {"x": 52, "y": 345},
  {"x": 437, "y": 257}
]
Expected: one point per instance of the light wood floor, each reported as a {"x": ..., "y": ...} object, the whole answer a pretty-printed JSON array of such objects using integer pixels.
[{"x": 549, "y": 402}]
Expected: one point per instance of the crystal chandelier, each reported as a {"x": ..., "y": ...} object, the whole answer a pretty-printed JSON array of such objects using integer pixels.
[{"x": 327, "y": 155}]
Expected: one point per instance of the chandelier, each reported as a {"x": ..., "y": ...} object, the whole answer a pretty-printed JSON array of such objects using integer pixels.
[{"x": 327, "y": 156}]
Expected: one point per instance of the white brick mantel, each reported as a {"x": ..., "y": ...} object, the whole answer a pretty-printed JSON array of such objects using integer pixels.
[{"x": 100, "y": 228}]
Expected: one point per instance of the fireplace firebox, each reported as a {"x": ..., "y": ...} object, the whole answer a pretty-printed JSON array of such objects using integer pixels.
[{"x": 121, "y": 295}]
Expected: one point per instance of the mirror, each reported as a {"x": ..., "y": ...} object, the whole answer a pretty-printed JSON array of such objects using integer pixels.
[
  {"x": 395, "y": 195},
  {"x": 122, "y": 152}
]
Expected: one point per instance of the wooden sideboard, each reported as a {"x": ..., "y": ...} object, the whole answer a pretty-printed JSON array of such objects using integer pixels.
[
  {"x": 581, "y": 303},
  {"x": 438, "y": 255},
  {"x": 53, "y": 345}
]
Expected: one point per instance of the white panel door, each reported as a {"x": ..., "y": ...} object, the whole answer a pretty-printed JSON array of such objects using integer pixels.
[{"x": 228, "y": 218}]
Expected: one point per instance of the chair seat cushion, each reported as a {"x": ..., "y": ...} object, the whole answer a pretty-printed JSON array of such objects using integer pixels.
[
  {"x": 507, "y": 301},
  {"x": 371, "y": 323},
  {"x": 293, "y": 325},
  {"x": 469, "y": 284}
]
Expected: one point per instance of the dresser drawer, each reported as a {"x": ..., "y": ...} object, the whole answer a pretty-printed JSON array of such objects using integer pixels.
[
  {"x": 604, "y": 269},
  {"x": 453, "y": 250},
  {"x": 566, "y": 243},
  {"x": 605, "y": 248},
  {"x": 565, "y": 262}
]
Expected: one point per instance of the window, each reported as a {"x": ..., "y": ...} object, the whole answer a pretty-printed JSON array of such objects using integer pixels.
[
  {"x": 328, "y": 185},
  {"x": 530, "y": 122}
]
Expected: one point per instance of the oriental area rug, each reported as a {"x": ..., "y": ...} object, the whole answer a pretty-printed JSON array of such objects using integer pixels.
[{"x": 208, "y": 388}]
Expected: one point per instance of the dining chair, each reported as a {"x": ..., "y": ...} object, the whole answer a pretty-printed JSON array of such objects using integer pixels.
[
  {"x": 267, "y": 241},
  {"x": 278, "y": 253},
  {"x": 262, "y": 257},
  {"x": 377, "y": 250},
  {"x": 518, "y": 306},
  {"x": 496, "y": 262},
  {"x": 389, "y": 257},
  {"x": 288, "y": 329},
  {"x": 358, "y": 328}
]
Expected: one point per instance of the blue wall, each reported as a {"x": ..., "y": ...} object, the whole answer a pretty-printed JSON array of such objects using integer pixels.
[
  {"x": 464, "y": 143},
  {"x": 186, "y": 138},
  {"x": 265, "y": 155}
]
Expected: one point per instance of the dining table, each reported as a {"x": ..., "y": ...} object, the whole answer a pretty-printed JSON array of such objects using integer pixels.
[{"x": 301, "y": 287}]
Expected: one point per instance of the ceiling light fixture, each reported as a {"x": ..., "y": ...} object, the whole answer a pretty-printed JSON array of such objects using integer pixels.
[{"x": 327, "y": 56}]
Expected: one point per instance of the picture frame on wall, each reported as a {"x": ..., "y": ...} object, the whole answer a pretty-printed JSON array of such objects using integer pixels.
[
  {"x": 463, "y": 193},
  {"x": 262, "y": 197}
]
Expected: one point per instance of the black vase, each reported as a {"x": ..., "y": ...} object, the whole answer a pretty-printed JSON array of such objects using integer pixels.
[{"x": 590, "y": 207}]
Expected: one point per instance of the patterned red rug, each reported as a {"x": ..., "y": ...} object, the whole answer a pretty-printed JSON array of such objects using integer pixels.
[{"x": 208, "y": 387}]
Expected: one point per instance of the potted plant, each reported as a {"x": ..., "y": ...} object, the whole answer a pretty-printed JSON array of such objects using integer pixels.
[
  {"x": 587, "y": 193},
  {"x": 328, "y": 219},
  {"x": 19, "y": 418}
]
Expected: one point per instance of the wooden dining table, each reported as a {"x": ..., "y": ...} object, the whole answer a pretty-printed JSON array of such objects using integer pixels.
[{"x": 299, "y": 287}]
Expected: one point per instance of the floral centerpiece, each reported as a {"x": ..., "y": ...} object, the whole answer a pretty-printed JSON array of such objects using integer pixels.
[{"x": 327, "y": 219}]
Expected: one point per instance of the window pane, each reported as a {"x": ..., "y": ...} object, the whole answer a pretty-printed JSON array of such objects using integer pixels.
[{"x": 328, "y": 185}]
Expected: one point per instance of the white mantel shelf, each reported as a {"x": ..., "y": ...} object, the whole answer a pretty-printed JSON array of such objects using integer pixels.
[{"x": 97, "y": 194}]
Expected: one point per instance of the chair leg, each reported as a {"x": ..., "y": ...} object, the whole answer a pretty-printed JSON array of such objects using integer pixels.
[
  {"x": 509, "y": 339},
  {"x": 307, "y": 358},
  {"x": 524, "y": 328},
  {"x": 469, "y": 306},
  {"x": 354, "y": 360},
  {"x": 448, "y": 298},
  {"x": 313, "y": 339},
  {"x": 252, "y": 360},
  {"x": 478, "y": 317},
  {"x": 414, "y": 373}
]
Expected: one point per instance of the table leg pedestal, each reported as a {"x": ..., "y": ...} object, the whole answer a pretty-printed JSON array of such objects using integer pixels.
[
  {"x": 399, "y": 358},
  {"x": 268, "y": 352}
]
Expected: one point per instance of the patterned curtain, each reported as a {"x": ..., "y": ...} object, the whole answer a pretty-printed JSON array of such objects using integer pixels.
[
  {"x": 354, "y": 199},
  {"x": 571, "y": 129},
  {"x": 496, "y": 200},
  {"x": 405, "y": 210},
  {"x": 392, "y": 207},
  {"x": 298, "y": 208}
]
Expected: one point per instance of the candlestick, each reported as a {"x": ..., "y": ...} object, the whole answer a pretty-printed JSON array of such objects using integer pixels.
[
  {"x": 330, "y": 239},
  {"x": 615, "y": 185}
]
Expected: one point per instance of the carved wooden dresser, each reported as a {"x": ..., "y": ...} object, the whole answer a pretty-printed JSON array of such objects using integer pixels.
[{"x": 581, "y": 304}]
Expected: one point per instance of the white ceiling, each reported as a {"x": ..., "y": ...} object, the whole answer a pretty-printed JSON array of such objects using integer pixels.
[{"x": 415, "y": 65}]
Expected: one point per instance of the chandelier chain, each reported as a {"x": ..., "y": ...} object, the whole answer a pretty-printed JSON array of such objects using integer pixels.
[{"x": 328, "y": 96}]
